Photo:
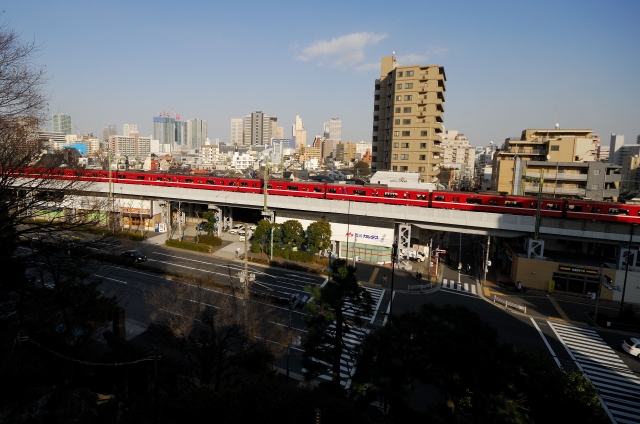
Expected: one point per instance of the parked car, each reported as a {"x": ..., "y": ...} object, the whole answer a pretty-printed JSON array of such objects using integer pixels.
[
  {"x": 632, "y": 347},
  {"x": 236, "y": 228},
  {"x": 77, "y": 334},
  {"x": 134, "y": 255}
]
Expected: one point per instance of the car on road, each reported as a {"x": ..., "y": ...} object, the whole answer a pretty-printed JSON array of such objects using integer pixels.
[
  {"x": 236, "y": 228},
  {"x": 134, "y": 255},
  {"x": 632, "y": 347}
]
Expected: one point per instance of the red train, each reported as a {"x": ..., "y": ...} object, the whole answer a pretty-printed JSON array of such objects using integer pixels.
[{"x": 468, "y": 201}]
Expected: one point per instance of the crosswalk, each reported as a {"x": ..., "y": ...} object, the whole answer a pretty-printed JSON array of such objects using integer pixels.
[
  {"x": 619, "y": 387},
  {"x": 352, "y": 339},
  {"x": 459, "y": 287}
]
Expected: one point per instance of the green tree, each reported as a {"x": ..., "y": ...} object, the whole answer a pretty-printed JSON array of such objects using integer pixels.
[
  {"x": 210, "y": 226},
  {"x": 292, "y": 233},
  {"x": 262, "y": 234},
  {"x": 335, "y": 310},
  {"x": 500, "y": 383},
  {"x": 319, "y": 235},
  {"x": 361, "y": 169}
]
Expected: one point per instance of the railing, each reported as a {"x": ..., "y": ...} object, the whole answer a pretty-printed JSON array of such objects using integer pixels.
[
  {"x": 559, "y": 176},
  {"x": 508, "y": 304},
  {"x": 420, "y": 287}
]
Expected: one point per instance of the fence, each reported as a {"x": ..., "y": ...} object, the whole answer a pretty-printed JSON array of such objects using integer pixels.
[{"x": 508, "y": 304}]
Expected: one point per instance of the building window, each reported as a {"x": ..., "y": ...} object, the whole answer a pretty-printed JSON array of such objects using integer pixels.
[
  {"x": 406, "y": 121},
  {"x": 423, "y": 145},
  {"x": 409, "y": 73},
  {"x": 423, "y": 157},
  {"x": 395, "y": 156},
  {"x": 375, "y": 128},
  {"x": 404, "y": 168},
  {"x": 398, "y": 98},
  {"x": 397, "y": 122},
  {"x": 404, "y": 157},
  {"x": 595, "y": 186},
  {"x": 555, "y": 148},
  {"x": 596, "y": 172},
  {"x": 421, "y": 169},
  {"x": 396, "y": 145},
  {"x": 406, "y": 133},
  {"x": 409, "y": 97},
  {"x": 400, "y": 73},
  {"x": 376, "y": 97},
  {"x": 398, "y": 110},
  {"x": 407, "y": 110},
  {"x": 394, "y": 168},
  {"x": 405, "y": 145},
  {"x": 423, "y": 134},
  {"x": 399, "y": 86},
  {"x": 396, "y": 133},
  {"x": 408, "y": 85}
]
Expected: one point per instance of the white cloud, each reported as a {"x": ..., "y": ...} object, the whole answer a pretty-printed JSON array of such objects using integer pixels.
[
  {"x": 413, "y": 59},
  {"x": 342, "y": 52}
]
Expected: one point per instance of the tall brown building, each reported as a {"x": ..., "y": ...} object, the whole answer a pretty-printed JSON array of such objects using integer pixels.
[{"x": 407, "y": 119}]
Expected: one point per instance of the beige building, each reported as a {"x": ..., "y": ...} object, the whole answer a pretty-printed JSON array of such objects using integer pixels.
[
  {"x": 345, "y": 151},
  {"x": 327, "y": 148},
  {"x": 310, "y": 152},
  {"x": 631, "y": 173},
  {"x": 132, "y": 146},
  {"x": 457, "y": 150},
  {"x": 298, "y": 131},
  {"x": 237, "y": 131},
  {"x": 407, "y": 119},
  {"x": 545, "y": 145}
]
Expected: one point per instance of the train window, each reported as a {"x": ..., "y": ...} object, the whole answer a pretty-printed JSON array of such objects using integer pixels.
[
  {"x": 158, "y": 178},
  {"x": 440, "y": 198},
  {"x": 553, "y": 206},
  {"x": 295, "y": 188},
  {"x": 475, "y": 201},
  {"x": 140, "y": 177},
  {"x": 212, "y": 182},
  {"x": 360, "y": 192},
  {"x": 317, "y": 189},
  {"x": 279, "y": 186},
  {"x": 232, "y": 183},
  {"x": 188, "y": 180},
  {"x": 244, "y": 185},
  {"x": 269, "y": 187},
  {"x": 575, "y": 208},
  {"x": 421, "y": 197},
  {"x": 332, "y": 190},
  {"x": 169, "y": 179},
  {"x": 616, "y": 211},
  {"x": 122, "y": 176},
  {"x": 390, "y": 194},
  {"x": 94, "y": 175},
  {"x": 513, "y": 204},
  {"x": 597, "y": 210},
  {"x": 103, "y": 175}
]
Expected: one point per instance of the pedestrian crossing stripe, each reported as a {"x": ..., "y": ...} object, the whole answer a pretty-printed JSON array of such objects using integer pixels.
[
  {"x": 376, "y": 295},
  {"x": 464, "y": 287},
  {"x": 618, "y": 386}
]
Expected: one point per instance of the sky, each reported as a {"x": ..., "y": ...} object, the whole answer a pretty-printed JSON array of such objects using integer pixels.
[{"x": 510, "y": 65}]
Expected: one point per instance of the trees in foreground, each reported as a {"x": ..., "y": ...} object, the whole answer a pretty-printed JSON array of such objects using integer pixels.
[{"x": 447, "y": 362}]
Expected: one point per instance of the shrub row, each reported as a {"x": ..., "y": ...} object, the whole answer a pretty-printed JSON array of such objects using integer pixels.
[
  {"x": 287, "y": 265},
  {"x": 130, "y": 235},
  {"x": 299, "y": 256},
  {"x": 197, "y": 247}
]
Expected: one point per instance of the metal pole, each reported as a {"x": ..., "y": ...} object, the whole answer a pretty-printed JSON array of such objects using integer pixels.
[
  {"x": 626, "y": 270},
  {"x": 394, "y": 249},
  {"x": 289, "y": 336},
  {"x": 459, "y": 255},
  {"x": 271, "y": 246},
  {"x": 429, "y": 256},
  {"x": 486, "y": 260},
  {"x": 355, "y": 240},
  {"x": 595, "y": 314}
]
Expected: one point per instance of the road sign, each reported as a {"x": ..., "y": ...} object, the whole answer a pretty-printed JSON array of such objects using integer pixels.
[{"x": 444, "y": 252}]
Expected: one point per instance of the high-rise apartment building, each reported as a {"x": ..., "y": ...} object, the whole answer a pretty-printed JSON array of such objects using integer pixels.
[
  {"x": 164, "y": 129},
  {"x": 362, "y": 148},
  {"x": 407, "y": 118},
  {"x": 257, "y": 129},
  {"x": 273, "y": 127},
  {"x": 335, "y": 129},
  {"x": 616, "y": 142},
  {"x": 128, "y": 129},
  {"x": 345, "y": 152},
  {"x": 317, "y": 142},
  {"x": 327, "y": 148},
  {"x": 325, "y": 132},
  {"x": 132, "y": 146},
  {"x": 298, "y": 131},
  {"x": 457, "y": 150},
  {"x": 237, "y": 131},
  {"x": 61, "y": 123},
  {"x": 108, "y": 131},
  {"x": 195, "y": 133},
  {"x": 279, "y": 133}
]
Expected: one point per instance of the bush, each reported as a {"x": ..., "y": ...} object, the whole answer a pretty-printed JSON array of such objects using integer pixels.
[
  {"x": 210, "y": 240},
  {"x": 129, "y": 235},
  {"x": 255, "y": 247},
  {"x": 197, "y": 247}
]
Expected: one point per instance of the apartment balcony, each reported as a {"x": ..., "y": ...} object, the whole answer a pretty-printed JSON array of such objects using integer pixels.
[
  {"x": 548, "y": 176},
  {"x": 613, "y": 178}
]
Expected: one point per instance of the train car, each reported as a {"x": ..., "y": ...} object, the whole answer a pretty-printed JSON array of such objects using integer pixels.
[
  {"x": 133, "y": 177},
  {"x": 602, "y": 211},
  {"x": 375, "y": 194},
  {"x": 250, "y": 185},
  {"x": 495, "y": 203},
  {"x": 201, "y": 182},
  {"x": 296, "y": 188}
]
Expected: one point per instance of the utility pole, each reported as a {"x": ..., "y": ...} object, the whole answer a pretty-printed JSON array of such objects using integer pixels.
[
  {"x": 595, "y": 314},
  {"x": 540, "y": 184},
  {"x": 429, "y": 256},
  {"x": 486, "y": 260},
  {"x": 626, "y": 270},
  {"x": 394, "y": 249}
]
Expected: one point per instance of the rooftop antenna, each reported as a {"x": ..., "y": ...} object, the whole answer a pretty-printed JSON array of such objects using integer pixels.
[{"x": 555, "y": 119}]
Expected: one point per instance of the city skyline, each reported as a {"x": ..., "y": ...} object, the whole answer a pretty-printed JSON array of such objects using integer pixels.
[{"x": 500, "y": 79}]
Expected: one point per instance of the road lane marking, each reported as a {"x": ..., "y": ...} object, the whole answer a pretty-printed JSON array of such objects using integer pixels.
[
  {"x": 374, "y": 275},
  {"x": 544, "y": 339},
  {"x": 112, "y": 279},
  {"x": 559, "y": 309}
]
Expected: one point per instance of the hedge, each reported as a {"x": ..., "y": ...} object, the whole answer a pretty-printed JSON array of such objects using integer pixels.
[
  {"x": 198, "y": 247},
  {"x": 210, "y": 240},
  {"x": 299, "y": 256}
]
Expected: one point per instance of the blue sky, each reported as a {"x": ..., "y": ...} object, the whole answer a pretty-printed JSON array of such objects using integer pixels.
[{"x": 510, "y": 65}]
